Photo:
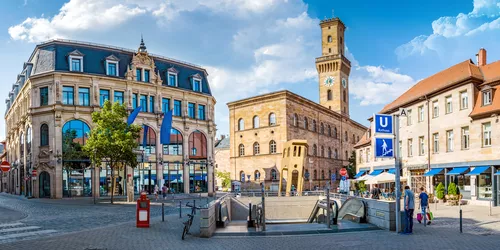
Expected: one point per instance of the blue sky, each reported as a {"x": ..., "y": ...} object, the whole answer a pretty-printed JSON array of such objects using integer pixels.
[{"x": 258, "y": 46}]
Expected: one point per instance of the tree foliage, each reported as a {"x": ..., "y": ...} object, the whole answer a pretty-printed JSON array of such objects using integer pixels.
[
  {"x": 73, "y": 153},
  {"x": 112, "y": 140},
  {"x": 452, "y": 189},
  {"x": 225, "y": 177},
  {"x": 351, "y": 168}
]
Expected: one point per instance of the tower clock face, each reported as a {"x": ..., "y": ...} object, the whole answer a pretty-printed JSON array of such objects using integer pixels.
[
  {"x": 329, "y": 81},
  {"x": 344, "y": 82}
]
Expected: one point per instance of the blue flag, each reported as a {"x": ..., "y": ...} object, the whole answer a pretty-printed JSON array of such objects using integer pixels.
[
  {"x": 133, "y": 115},
  {"x": 166, "y": 127},
  {"x": 145, "y": 136}
]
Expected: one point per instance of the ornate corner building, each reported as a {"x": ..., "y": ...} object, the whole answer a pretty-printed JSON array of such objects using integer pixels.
[
  {"x": 261, "y": 125},
  {"x": 49, "y": 110}
]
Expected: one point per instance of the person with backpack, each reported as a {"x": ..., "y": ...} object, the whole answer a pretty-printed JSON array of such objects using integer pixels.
[{"x": 424, "y": 206}]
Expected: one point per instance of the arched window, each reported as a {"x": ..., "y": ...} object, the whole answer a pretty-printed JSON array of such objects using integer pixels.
[
  {"x": 28, "y": 140},
  {"x": 44, "y": 135},
  {"x": 147, "y": 140},
  {"x": 314, "y": 125},
  {"x": 272, "y": 119},
  {"x": 242, "y": 176},
  {"x": 241, "y": 124},
  {"x": 322, "y": 128},
  {"x": 353, "y": 138},
  {"x": 322, "y": 174},
  {"x": 272, "y": 147},
  {"x": 346, "y": 136},
  {"x": 329, "y": 174},
  {"x": 322, "y": 151},
  {"x": 329, "y": 39},
  {"x": 197, "y": 145},
  {"x": 306, "y": 175},
  {"x": 242, "y": 150},
  {"x": 315, "y": 175},
  {"x": 21, "y": 145},
  {"x": 256, "y": 148},
  {"x": 74, "y": 135},
  {"x": 256, "y": 175},
  {"x": 329, "y": 131},
  {"x": 357, "y": 139},
  {"x": 306, "y": 123},
  {"x": 329, "y": 95},
  {"x": 346, "y": 155},
  {"x": 256, "y": 122},
  {"x": 315, "y": 150},
  {"x": 335, "y": 132},
  {"x": 274, "y": 174},
  {"x": 295, "y": 120},
  {"x": 175, "y": 145},
  {"x": 336, "y": 154},
  {"x": 329, "y": 152}
]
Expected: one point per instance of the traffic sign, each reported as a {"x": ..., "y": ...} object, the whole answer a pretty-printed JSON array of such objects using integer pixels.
[
  {"x": 333, "y": 177},
  {"x": 384, "y": 147},
  {"x": 383, "y": 124},
  {"x": 33, "y": 172},
  {"x": 5, "y": 166},
  {"x": 343, "y": 178},
  {"x": 343, "y": 172}
]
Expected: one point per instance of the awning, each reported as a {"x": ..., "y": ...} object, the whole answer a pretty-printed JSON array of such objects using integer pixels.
[
  {"x": 391, "y": 171},
  {"x": 365, "y": 177},
  {"x": 457, "y": 171},
  {"x": 382, "y": 178},
  {"x": 359, "y": 174},
  {"x": 376, "y": 172},
  {"x": 434, "y": 171},
  {"x": 478, "y": 170},
  {"x": 498, "y": 172}
]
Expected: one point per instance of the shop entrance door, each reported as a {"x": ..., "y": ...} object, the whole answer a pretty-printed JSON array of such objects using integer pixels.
[{"x": 44, "y": 185}]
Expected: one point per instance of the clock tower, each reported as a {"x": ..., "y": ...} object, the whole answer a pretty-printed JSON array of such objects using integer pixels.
[{"x": 333, "y": 67}]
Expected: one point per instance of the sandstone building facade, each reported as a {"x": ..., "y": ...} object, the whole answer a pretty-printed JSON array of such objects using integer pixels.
[
  {"x": 260, "y": 125},
  {"x": 60, "y": 86}
]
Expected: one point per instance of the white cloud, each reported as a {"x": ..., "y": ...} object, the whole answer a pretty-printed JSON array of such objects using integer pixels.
[
  {"x": 449, "y": 30},
  {"x": 74, "y": 16}
]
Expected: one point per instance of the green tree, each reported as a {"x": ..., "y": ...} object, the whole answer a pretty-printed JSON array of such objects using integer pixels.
[
  {"x": 112, "y": 140},
  {"x": 73, "y": 156},
  {"x": 452, "y": 189},
  {"x": 440, "y": 191},
  {"x": 362, "y": 186},
  {"x": 225, "y": 177},
  {"x": 351, "y": 168}
]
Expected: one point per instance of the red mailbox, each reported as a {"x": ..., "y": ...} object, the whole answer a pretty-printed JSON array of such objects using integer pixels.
[{"x": 143, "y": 211}]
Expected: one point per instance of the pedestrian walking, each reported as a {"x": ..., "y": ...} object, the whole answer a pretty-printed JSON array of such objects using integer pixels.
[
  {"x": 409, "y": 202},
  {"x": 156, "y": 192},
  {"x": 164, "y": 191},
  {"x": 424, "y": 206}
]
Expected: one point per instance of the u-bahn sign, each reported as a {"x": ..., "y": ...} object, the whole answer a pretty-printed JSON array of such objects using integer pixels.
[{"x": 5, "y": 166}]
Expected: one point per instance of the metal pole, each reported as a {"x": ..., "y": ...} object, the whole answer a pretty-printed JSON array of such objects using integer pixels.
[
  {"x": 162, "y": 211},
  {"x": 180, "y": 209},
  {"x": 490, "y": 206},
  {"x": 398, "y": 173},
  {"x": 328, "y": 205},
  {"x": 263, "y": 210},
  {"x": 460, "y": 219},
  {"x": 194, "y": 205}
]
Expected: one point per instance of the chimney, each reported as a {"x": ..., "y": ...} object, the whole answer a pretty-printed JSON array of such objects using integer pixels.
[{"x": 481, "y": 57}]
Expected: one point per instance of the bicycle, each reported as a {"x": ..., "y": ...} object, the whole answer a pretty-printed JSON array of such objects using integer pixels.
[{"x": 189, "y": 222}]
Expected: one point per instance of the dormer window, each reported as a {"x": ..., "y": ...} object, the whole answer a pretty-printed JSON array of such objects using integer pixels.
[
  {"x": 487, "y": 97},
  {"x": 172, "y": 77},
  {"x": 146, "y": 75},
  {"x": 75, "y": 59},
  {"x": 138, "y": 73},
  {"x": 112, "y": 65},
  {"x": 196, "y": 82}
]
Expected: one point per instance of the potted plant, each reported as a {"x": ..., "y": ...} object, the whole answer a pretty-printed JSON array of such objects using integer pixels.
[
  {"x": 440, "y": 192},
  {"x": 453, "y": 194}
]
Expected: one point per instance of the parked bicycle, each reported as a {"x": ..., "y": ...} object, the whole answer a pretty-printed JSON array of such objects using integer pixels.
[{"x": 189, "y": 222}]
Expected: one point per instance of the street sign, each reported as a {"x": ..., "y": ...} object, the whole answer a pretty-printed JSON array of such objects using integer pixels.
[
  {"x": 5, "y": 166},
  {"x": 333, "y": 177},
  {"x": 383, "y": 124},
  {"x": 343, "y": 172},
  {"x": 403, "y": 112},
  {"x": 343, "y": 178},
  {"x": 33, "y": 172},
  {"x": 384, "y": 147}
]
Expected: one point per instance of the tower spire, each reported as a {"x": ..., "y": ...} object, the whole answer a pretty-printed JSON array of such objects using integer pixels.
[{"x": 142, "y": 46}]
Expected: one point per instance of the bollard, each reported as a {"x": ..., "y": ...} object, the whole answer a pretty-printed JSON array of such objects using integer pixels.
[
  {"x": 180, "y": 209},
  {"x": 194, "y": 205},
  {"x": 162, "y": 211},
  {"x": 460, "y": 220},
  {"x": 490, "y": 207}
]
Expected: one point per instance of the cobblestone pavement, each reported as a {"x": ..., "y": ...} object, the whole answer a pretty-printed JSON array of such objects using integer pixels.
[
  {"x": 166, "y": 235},
  {"x": 43, "y": 217}
]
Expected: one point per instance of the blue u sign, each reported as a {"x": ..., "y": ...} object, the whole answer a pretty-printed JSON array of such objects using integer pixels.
[
  {"x": 384, "y": 147},
  {"x": 383, "y": 124}
]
